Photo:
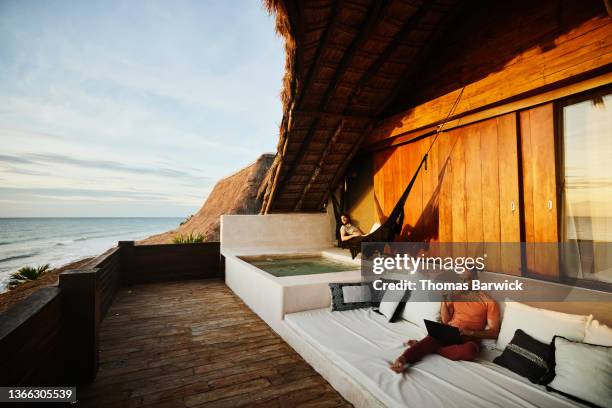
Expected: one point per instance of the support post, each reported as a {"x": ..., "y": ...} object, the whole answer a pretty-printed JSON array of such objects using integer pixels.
[
  {"x": 127, "y": 260},
  {"x": 81, "y": 303}
]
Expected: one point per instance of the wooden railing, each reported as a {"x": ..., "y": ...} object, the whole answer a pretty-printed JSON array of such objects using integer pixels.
[
  {"x": 109, "y": 279},
  {"x": 33, "y": 341},
  {"x": 51, "y": 337},
  {"x": 168, "y": 262}
]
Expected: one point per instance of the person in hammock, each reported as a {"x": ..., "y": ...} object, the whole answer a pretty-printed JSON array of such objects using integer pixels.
[
  {"x": 348, "y": 230},
  {"x": 474, "y": 313}
]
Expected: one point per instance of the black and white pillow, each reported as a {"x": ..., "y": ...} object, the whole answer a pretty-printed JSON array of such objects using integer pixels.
[
  {"x": 528, "y": 357},
  {"x": 349, "y": 296},
  {"x": 583, "y": 371}
]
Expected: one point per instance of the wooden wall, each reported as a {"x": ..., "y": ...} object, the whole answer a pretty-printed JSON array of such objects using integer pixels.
[
  {"x": 492, "y": 181},
  {"x": 467, "y": 193},
  {"x": 360, "y": 197},
  {"x": 501, "y": 51},
  {"x": 492, "y": 175}
]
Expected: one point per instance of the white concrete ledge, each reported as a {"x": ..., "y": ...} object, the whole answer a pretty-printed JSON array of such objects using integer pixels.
[{"x": 296, "y": 231}]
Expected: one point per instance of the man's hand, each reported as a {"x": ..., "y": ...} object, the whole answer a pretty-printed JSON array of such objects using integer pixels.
[
  {"x": 410, "y": 343},
  {"x": 466, "y": 332}
]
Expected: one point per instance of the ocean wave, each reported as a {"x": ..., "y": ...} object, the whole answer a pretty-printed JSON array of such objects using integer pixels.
[
  {"x": 107, "y": 235},
  {"x": 21, "y": 240},
  {"x": 85, "y": 238},
  {"x": 22, "y": 256}
]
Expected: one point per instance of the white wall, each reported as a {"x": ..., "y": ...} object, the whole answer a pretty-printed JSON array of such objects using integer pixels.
[{"x": 294, "y": 230}]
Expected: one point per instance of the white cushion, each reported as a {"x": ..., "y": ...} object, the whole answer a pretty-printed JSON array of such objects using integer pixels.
[
  {"x": 390, "y": 302},
  {"x": 597, "y": 333},
  {"x": 583, "y": 371},
  {"x": 415, "y": 312},
  {"x": 541, "y": 324},
  {"x": 356, "y": 293},
  {"x": 359, "y": 345}
]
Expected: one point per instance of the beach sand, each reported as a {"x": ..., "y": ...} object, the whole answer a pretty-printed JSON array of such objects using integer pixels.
[{"x": 11, "y": 297}]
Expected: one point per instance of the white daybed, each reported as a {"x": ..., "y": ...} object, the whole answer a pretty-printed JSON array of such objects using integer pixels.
[{"x": 353, "y": 349}]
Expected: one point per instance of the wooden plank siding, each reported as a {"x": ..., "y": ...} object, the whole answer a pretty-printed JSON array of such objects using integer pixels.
[
  {"x": 540, "y": 188},
  {"x": 512, "y": 50},
  {"x": 509, "y": 194},
  {"x": 459, "y": 197}
]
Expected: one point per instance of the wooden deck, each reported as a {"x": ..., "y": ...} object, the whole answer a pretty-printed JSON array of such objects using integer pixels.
[{"x": 195, "y": 344}]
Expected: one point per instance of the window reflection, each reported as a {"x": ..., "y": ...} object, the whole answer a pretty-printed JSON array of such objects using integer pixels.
[{"x": 587, "y": 189}]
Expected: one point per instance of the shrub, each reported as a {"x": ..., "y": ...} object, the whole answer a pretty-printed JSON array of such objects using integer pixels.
[
  {"x": 188, "y": 239},
  {"x": 186, "y": 219},
  {"x": 27, "y": 274}
]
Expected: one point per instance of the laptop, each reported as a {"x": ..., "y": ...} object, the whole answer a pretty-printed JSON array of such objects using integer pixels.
[{"x": 444, "y": 333}]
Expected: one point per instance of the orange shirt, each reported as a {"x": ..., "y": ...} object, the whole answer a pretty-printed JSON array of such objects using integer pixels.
[{"x": 474, "y": 315}]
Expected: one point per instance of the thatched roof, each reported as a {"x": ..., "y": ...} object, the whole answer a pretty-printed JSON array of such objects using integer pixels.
[{"x": 345, "y": 61}]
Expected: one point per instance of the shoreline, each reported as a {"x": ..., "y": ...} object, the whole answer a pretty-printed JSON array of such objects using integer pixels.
[{"x": 11, "y": 297}]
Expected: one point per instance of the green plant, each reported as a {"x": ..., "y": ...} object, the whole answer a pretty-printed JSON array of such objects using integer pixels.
[
  {"x": 191, "y": 238},
  {"x": 186, "y": 219},
  {"x": 27, "y": 274}
]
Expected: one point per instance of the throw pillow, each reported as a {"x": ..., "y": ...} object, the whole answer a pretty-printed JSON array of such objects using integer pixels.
[
  {"x": 583, "y": 371},
  {"x": 527, "y": 357},
  {"x": 349, "y": 296}
]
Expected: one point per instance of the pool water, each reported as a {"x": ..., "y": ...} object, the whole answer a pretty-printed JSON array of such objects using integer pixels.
[{"x": 303, "y": 265}]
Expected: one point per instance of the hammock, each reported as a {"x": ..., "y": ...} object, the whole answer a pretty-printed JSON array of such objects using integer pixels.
[
  {"x": 387, "y": 231},
  {"x": 392, "y": 227}
]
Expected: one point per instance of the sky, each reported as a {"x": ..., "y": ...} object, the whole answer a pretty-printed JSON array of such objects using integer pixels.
[{"x": 132, "y": 108}]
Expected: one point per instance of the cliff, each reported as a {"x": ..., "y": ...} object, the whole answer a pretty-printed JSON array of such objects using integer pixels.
[{"x": 236, "y": 194}]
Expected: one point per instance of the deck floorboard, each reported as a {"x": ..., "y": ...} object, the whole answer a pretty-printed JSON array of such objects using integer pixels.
[{"x": 195, "y": 344}]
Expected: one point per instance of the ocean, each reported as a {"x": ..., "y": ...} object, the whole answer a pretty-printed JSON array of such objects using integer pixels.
[{"x": 57, "y": 241}]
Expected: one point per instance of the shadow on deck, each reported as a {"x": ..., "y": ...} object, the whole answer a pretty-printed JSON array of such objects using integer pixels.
[{"x": 194, "y": 343}]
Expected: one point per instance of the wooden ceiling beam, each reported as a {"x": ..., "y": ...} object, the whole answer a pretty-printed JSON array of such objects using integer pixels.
[
  {"x": 372, "y": 71},
  {"x": 421, "y": 56},
  {"x": 316, "y": 65},
  {"x": 364, "y": 32},
  {"x": 344, "y": 165},
  {"x": 317, "y": 170},
  {"x": 370, "y": 22},
  {"x": 329, "y": 115},
  {"x": 312, "y": 72},
  {"x": 410, "y": 24},
  {"x": 407, "y": 27}
]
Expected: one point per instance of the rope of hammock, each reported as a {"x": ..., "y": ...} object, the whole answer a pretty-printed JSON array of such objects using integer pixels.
[{"x": 441, "y": 126}]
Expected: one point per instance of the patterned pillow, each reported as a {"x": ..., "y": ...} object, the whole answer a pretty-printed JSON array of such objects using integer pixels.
[
  {"x": 349, "y": 296},
  {"x": 528, "y": 357}
]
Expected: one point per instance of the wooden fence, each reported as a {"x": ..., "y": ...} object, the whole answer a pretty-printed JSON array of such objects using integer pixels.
[
  {"x": 51, "y": 337},
  {"x": 169, "y": 262}
]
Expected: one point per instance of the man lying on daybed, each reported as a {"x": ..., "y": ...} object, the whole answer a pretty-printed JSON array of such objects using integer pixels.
[{"x": 474, "y": 313}]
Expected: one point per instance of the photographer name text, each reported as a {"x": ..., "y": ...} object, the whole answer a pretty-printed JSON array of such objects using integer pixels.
[{"x": 429, "y": 285}]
